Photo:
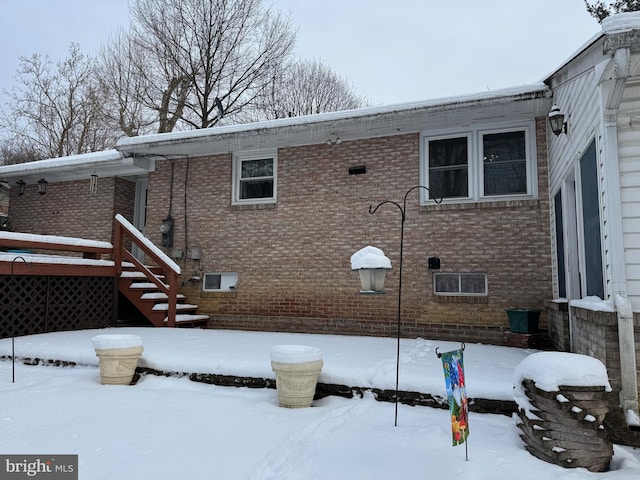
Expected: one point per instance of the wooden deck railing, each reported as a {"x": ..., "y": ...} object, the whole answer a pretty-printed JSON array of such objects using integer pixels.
[
  {"x": 89, "y": 248},
  {"x": 82, "y": 257},
  {"x": 171, "y": 271}
]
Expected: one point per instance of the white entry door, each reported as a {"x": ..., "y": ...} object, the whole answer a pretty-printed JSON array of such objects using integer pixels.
[{"x": 140, "y": 213}]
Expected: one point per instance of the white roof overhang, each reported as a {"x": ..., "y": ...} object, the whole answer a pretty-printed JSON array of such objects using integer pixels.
[
  {"x": 508, "y": 105},
  {"x": 135, "y": 156},
  {"x": 108, "y": 163}
]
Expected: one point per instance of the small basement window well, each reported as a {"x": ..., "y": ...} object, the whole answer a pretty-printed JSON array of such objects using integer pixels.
[{"x": 220, "y": 282}]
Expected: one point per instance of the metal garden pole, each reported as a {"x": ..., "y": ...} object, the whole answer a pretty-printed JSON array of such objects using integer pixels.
[
  {"x": 13, "y": 325},
  {"x": 403, "y": 211}
]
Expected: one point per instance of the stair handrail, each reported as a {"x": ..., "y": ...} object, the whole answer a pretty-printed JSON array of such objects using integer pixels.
[{"x": 171, "y": 270}]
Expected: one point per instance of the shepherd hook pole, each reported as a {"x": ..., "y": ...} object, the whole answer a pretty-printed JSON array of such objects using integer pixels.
[
  {"x": 403, "y": 211},
  {"x": 13, "y": 326}
]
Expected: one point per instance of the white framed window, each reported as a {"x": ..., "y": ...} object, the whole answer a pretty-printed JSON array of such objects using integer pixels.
[
  {"x": 255, "y": 178},
  {"x": 462, "y": 284},
  {"x": 220, "y": 282},
  {"x": 481, "y": 164},
  {"x": 504, "y": 163},
  {"x": 448, "y": 166}
]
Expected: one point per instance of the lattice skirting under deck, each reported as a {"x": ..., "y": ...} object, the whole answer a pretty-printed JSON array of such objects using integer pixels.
[{"x": 31, "y": 305}]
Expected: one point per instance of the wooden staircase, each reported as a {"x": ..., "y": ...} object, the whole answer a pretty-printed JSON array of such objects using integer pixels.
[
  {"x": 153, "y": 304},
  {"x": 152, "y": 290}
]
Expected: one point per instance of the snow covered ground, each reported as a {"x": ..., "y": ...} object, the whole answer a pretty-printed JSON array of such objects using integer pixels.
[{"x": 169, "y": 427}]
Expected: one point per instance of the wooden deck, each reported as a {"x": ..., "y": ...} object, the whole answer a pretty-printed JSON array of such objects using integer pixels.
[
  {"x": 48, "y": 255},
  {"x": 23, "y": 255}
]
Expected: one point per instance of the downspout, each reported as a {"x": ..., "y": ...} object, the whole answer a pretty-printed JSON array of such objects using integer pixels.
[
  {"x": 629, "y": 392},
  {"x": 629, "y": 381}
]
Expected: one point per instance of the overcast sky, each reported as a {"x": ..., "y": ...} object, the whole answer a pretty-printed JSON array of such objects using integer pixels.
[{"x": 391, "y": 51}]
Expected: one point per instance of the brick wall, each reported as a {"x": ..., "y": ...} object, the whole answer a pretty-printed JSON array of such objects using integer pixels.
[
  {"x": 596, "y": 335},
  {"x": 68, "y": 209},
  {"x": 293, "y": 257},
  {"x": 558, "y": 322}
]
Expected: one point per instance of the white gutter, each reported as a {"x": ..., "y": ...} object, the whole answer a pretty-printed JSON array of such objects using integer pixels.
[{"x": 523, "y": 93}]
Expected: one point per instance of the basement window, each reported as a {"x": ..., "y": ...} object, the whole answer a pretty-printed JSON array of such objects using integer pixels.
[
  {"x": 463, "y": 284},
  {"x": 220, "y": 282}
]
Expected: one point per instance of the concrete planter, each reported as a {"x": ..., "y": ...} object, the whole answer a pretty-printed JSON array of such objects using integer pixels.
[
  {"x": 117, "y": 357},
  {"x": 297, "y": 368}
]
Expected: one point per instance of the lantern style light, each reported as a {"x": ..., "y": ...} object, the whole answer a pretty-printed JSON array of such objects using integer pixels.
[
  {"x": 556, "y": 120},
  {"x": 21, "y": 186},
  {"x": 372, "y": 264},
  {"x": 42, "y": 186}
]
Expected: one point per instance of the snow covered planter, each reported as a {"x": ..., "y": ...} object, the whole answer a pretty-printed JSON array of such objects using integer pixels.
[
  {"x": 562, "y": 401},
  {"x": 297, "y": 368},
  {"x": 117, "y": 357},
  {"x": 372, "y": 265}
]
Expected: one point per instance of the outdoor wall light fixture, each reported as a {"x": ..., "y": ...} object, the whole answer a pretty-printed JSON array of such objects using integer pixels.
[
  {"x": 556, "y": 120},
  {"x": 21, "y": 186},
  {"x": 334, "y": 139},
  {"x": 42, "y": 186}
]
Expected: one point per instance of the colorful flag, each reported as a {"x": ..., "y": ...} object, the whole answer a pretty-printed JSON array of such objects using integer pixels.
[{"x": 453, "y": 365}]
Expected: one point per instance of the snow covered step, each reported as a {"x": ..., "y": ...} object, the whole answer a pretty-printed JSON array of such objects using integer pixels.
[
  {"x": 179, "y": 306},
  {"x": 159, "y": 296},
  {"x": 189, "y": 318},
  {"x": 136, "y": 274},
  {"x": 144, "y": 286}
]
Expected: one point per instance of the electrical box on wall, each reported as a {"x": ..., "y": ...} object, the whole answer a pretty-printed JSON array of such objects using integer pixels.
[
  {"x": 433, "y": 263},
  {"x": 195, "y": 253},
  {"x": 166, "y": 230}
]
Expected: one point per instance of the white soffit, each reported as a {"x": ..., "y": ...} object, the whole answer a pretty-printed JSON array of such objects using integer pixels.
[
  {"x": 108, "y": 163},
  {"x": 515, "y": 104}
]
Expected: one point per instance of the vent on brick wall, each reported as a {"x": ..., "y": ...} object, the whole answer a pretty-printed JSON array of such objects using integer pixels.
[{"x": 359, "y": 170}]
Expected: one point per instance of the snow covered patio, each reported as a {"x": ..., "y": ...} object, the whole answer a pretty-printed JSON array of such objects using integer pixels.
[
  {"x": 356, "y": 362},
  {"x": 171, "y": 427}
]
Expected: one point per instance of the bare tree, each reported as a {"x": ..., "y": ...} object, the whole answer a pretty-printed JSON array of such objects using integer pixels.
[
  {"x": 123, "y": 77},
  {"x": 601, "y": 10},
  {"x": 56, "y": 110},
  {"x": 306, "y": 87},
  {"x": 194, "y": 56},
  {"x": 12, "y": 152}
]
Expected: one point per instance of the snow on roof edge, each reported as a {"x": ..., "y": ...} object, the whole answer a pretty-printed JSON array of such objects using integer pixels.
[
  {"x": 573, "y": 56},
  {"x": 611, "y": 25},
  {"x": 71, "y": 160},
  {"x": 171, "y": 137}
]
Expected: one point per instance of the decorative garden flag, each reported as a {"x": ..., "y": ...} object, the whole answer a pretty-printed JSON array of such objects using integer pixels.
[{"x": 453, "y": 365}]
